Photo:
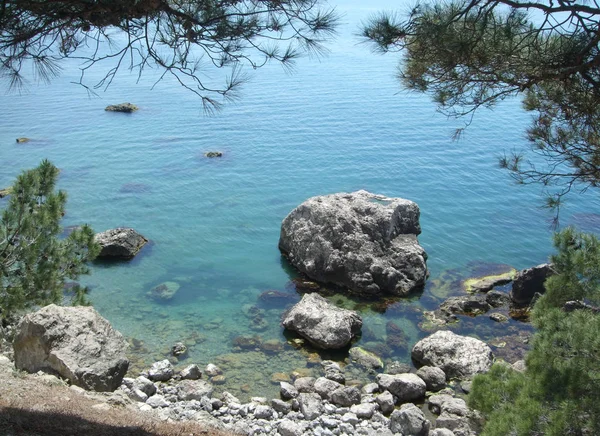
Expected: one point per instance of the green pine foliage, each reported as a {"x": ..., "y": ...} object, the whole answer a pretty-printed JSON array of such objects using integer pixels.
[
  {"x": 34, "y": 261},
  {"x": 559, "y": 393}
]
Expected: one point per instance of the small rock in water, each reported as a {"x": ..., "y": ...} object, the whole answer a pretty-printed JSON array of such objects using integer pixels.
[
  {"x": 22, "y": 140},
  {"x": 179, "y": 349},
  {"x": 212, "y": 370},
  {"x": 164, "y": 292},
  {"x": 211, "y": 154},
  {"x": 122, "y": 107},
  {"x": 498, "y": 317},
  {"x": 191, "y": 372}
]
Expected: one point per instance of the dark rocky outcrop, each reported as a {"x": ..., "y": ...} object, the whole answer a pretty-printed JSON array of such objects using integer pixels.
[
  {"x": 122, "y": 107},
  {"x": 364, "y": 242},
  {"x": 122, "y": 243},
  {"x": 211, "y": 154},
  {"x": 458, "y": 356},
  {"x": 75, "y": 343},
  {"x": 323, "y": 324},
  {"x": 528, "y": 282}
]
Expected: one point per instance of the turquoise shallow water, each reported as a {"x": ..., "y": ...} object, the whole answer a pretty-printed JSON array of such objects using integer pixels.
[{"x": 336, "y": 124}]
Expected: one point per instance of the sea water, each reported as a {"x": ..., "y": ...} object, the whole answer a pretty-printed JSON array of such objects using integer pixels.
[{"x": 338, "y": 123}]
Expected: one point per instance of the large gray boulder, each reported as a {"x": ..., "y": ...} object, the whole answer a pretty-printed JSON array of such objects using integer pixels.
[
  {"x": 75, "y": 343},
  {"x": 528, "y": 282},
  {"x": 409, "y": 420},
  {"x": 458, "y": 356},
  {"x": 361, "y": 241},
  {"x": 406, "y": 387},
  {"x": 323, "y": 324},
  {"x": 122, "y": 242}
]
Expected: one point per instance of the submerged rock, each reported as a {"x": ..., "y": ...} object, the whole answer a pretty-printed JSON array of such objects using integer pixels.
[
  {"x": 361, "y": 241},
  {"x": 487, "y": 283},
  {"x": 75, "y": 343},
  {"x": 122, "y": 107},
  {"x": 458, "y": 356},
  {"x": 22, "y": 140},
  {"x": 121, "y": 242},
  {"x": 365, "y": 358},
  {"x": 164, "y": 292},
  {"x": 529, "y": 282},
  {"x": 211, "y": 154},
  {"x": 471, "y": 305},
  {"x": 323, "y": 324}
]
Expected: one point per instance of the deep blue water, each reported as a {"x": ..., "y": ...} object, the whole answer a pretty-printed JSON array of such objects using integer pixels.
[{"x": 339, "y": 123}]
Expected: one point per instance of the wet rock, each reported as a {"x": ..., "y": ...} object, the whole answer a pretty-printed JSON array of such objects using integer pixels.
[
  {"x": 386, "y": 402},
  {"x": 528, "y": 282},
  {"x": 497, "y": 299},
  {"x": 360, "y": 241},
  {"x": 212, "y": 370},
  {"x": 487, "y": 283},
  {"x": 434, "y": 378},
  {"x": 218, "y": 380},
  {"x": 211, "y": 154},
  {"x": 472, "y": 305},
  {"x": 323, "y": 324},
  {"x": 247, "y": 342},
  {"x": 458, "y": 356},
  {"x": 365, "y": 358},
  {"x": 498, "y": 317},
  {"x": 191, "y": 372},
  {"x": 406, "y": 387},
  {"x": 5, "y": 192},
  {"x": 179, "y": 349},
  {"x": 122, "y": 242},
  {"x": 122, "y": 107},
  {"x": 409, "y": 421},
  {"x": 74, "y": 342},
  {"x": 161, "y": 371},
  {"x": 22, "y": 140}
]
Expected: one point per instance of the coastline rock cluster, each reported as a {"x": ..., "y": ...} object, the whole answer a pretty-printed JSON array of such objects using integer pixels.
[{"x": 360, "y": 241}]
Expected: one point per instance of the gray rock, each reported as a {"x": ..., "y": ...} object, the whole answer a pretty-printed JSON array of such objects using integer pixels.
[
  {"x": 157, "y": 401},
  {"x": 121, "y": 107},
  {"x": 288, "y": 427},
  {"x": 350, "y": 418},
  {"x": 191, "y": 372},
  {"x": 179, "y": 349},
  {"x": 434, "y": 378},
  {"x": 361, "y": 241},
  {"x": 193, "y": 390},
  {"x": 498, "y": 317},
  {"x": 310, "y": 405},
  {"x": 455, "y": 423},
  {"x": 458, "y": 356},
  {"x": 441, "y": 432},
  {"x": 75, "y": 343},
  {"x": 406, "y": 387},
  {"x": 305, "y": 384},
  {"x": 370, "y": 388},
  {"x": 528, "y": 282},
  {"x": 229, "y": 398},
  {"x": 288, "y": 391},
  {"x": 409, "y": 421},
  {"x": 213, "y": 154},
  {"x": 121, "y": 242},
  {"x": 323, "y": 324},
  {"x": 443, "y": 403},
  {"x": 333, "y": 371},
  {"x": 386, "y": 402},
  {"x": 466, "y": 386},
  {"x": 346, "y": 396},
  {"x": 325, "y": 387},
  {"x": 161, "y": 371},
  {"x": 212, "y": 370},
  {"x": 143, "y": 384},
  {"x": 263, "y": 412},
  {"x": 164, "y": 292},
  {"x": 364, "y": 410},
  {"x": 281, "y": 406},
  {"x": 365, "y": 358},
  {"x": 519, "y": 365}
]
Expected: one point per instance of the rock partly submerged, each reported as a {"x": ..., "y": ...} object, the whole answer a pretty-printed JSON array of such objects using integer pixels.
[
  {"x": 121, "y": 243},
  {"x": 75, "y": 343},
  {"x": 325, "y": 325},
  {"x": 364, "y": 242},
  {"x": 530, "y": 281},
  {"x": 458, "y": 356}
]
